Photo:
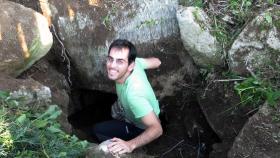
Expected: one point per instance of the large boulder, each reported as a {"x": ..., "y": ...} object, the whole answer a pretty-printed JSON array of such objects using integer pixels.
[
  {"x": 260, "y": 137},
  {"x": 257, "y": 48},
  {"x": 223, "y": 111},
  {"x": 222, "y": 108},
  {"x": 87, "y": 28},
  {"x": 24, "y": 38},
  {"x": 197, "y": 37}
]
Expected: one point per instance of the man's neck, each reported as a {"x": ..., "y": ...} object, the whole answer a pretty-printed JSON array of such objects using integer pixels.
[{"x": 123, "y": 79}]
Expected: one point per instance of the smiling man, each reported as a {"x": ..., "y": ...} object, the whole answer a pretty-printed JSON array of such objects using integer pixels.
[{"x": 136, "y": 113}]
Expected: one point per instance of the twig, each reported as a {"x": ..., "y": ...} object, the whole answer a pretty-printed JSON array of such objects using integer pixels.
[
  {"x": 185, "y": 85},
  {"x": 206, "y": 89},
  {"x": 229, "y": 80},
  {"x": 63, "y": 54},
  {"x": 251, "y": 72},
  {"x": 198, "y": 150},
  {"x": 44, "y": 151},
  {"x": 172, "y": 148},
  {"x": 181, "y": 154},
  {"x": 255, "y": 109}
]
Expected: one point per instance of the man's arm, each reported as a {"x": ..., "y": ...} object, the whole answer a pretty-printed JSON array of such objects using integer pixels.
[
  {"x": 152, "y": 62},
  {"x": 153, "y": 131}
]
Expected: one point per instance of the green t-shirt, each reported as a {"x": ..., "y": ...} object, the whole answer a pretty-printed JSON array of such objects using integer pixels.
[{"x": 137, "y": 96}]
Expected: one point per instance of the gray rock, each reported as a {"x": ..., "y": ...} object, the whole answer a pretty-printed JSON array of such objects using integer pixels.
[
  {"x": 197, "y": 38},
  {"x": 260, "y": 136},
  {"x": 24, "y": 38},
  {"x": 87, "y": 29},
  {"x": 28, "y": 91},
  {"x": 257, "y": 46},
  {"x": 220, "y": 105},
  {"x": 99, "y": 151},
  {"x": 223, "y": 112}
]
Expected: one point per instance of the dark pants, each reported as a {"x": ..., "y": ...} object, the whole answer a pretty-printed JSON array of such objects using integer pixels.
[{"x": 115, "y": 128}]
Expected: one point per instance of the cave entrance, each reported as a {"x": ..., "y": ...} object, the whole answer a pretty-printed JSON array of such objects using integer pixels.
[
  {"x": 88, "y": 107},
  {"x": 185, "y": 127}
]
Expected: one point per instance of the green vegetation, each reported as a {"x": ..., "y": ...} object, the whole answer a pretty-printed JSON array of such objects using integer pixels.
[
  {"x": 30, "y": 131},
  {"x": 195, "y": 3},
  {"x": 254, "y": 92},
  {"x": 240, "y": 9},
  {"x": 107, "y": 20},
  {"x": 149, "y": 23},
  {"x": 228, "y": 18}
]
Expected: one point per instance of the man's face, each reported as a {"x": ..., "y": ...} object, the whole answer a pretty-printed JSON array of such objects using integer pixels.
[{"x": 117, "y": 65}]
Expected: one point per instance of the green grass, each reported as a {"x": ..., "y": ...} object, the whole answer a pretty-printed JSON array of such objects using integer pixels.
[
  {"x": 30, "y": 131},
  {"x": 254, "y": 92}
]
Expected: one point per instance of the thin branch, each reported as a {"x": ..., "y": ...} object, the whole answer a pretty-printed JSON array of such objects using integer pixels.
[
  {"x": 229, "y": 80},
  {"x": 44, "y": 151},
  {"x": 172, "y": 148},
  {"x": 185, "y": 85},
  {"x": 251, "y": 111}
]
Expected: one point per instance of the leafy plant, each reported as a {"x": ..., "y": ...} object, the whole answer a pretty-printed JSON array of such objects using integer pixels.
[
  {"x": 33, "y": 132},
  {"x": 253, "y": 92},
  {"x": 149, "y": 23},
  {"x": 195, "y": 3}
]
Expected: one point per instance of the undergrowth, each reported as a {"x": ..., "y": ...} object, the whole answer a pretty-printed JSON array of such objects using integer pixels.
[
  {"x": 31, "y": 131},
  {"x": 254, "y": 92}
]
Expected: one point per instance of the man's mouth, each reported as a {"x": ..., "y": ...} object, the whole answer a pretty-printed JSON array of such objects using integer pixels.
[{"x": 112, "y": 71}]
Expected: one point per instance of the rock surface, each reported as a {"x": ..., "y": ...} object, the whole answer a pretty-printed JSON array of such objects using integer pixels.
[
  {"x": 31, "y": 91},
  {"x": 96, "y": 151},
  {"x": 46, "y": 74},
  {"x": 260, "y": 137},
  {"x": 223, "y": 112},
  {"x": 24, "y": 38},
  {"x": 220, "y": 106},
  {"x": 257, "y": 46},
  {"x": 197, "y": 38},
  {"x": 87, "y": 29}
]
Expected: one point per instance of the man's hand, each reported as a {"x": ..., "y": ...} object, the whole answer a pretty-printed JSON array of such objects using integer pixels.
[
  {"x": 119, "y": 146},
  {"x": 153, "y": 131},
  {"x": 152, "y": 62}
]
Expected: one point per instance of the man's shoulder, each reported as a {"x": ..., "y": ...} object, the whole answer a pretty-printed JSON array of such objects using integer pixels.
[{"x": 136, "y": 87}]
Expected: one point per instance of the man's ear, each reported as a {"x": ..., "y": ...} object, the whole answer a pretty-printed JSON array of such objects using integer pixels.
[{"x": 131, "y": 66}]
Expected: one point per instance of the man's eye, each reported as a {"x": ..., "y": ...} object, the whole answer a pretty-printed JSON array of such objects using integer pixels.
[
  {"x": 110, "y": 59},
  {"x": 120, "y": 62}
]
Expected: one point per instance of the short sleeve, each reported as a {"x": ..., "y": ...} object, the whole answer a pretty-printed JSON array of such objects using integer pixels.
[
  {"x": 142, "y": 63},
  {"x": 139, "y": 106}
]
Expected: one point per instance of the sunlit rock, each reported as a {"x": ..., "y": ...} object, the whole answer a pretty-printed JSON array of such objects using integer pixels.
[
  {"x": 197, "y": 37},
  {"x": 24, "y": 38}
]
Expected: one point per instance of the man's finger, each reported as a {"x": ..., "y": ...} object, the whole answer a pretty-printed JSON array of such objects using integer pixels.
[
  {"x": 115, "y": 147},
  {"x": 123, "y": 151}
]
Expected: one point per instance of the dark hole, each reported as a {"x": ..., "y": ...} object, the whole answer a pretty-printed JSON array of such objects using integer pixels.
[{"x": 90, "y": 107}]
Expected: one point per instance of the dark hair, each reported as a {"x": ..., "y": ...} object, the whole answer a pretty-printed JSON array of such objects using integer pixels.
[{"x": 122, "y": 43}]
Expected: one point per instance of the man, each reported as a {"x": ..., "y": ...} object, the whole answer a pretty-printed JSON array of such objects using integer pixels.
[{"x": 141, "y": 124}]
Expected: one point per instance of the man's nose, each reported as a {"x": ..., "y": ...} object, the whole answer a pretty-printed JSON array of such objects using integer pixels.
[{"x": 113, "y": 63}]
